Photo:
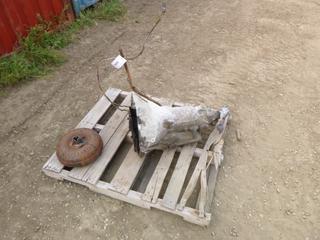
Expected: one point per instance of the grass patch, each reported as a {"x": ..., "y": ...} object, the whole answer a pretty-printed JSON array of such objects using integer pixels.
[
  {"x": 111, "y": 10},
  {"x": 39, "y": 51}
]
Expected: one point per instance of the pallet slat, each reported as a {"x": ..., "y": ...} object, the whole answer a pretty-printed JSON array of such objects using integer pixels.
[
  {"x": 92, "y": 117},
  {"x": 106, "y": 133},
  {"x": 127, "y": 172},
  {"x": 97, "y": 168},
  {"x": 213, "y": 170},
  {"x": 147, "y": 171},
  {"x": 53, "y": 164},
  {"x": 133, "y": 197},
  {"x": 215, "y": 140},
  {"x": 203, "y": 192},
  {"x": 154, "y": 186},
  {"x": 113, "y": 122},
  {"x": 194, "y": 179},
  {"x": 212, "y": 179},
  {"x": 179, "y": 174}
]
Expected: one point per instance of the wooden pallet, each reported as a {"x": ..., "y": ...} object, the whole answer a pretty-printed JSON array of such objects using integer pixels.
[{"x": 174, "y": 180}]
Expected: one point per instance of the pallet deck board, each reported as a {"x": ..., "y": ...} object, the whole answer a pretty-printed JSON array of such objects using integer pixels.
[
  {"x": 107, "y": 131},
  {"x": 94, "y": 170},
  {"x": 172, "y": 193},
  {"x": 154, "y": 186},
  {"x": 97, "y": 168},
  {"x": 126, "y": 174},
  {"x": 53, "y": 164},
  {"x": 203, "y": 192},
  {"x": 113, "y": 123},
  {"x": 212, "y": 174},
  {"x": 194, "y": 179},
  {"x": 91, "y": 118},
  {"x": 148, "y": 179},
  {"x": 94, "y": 115}
]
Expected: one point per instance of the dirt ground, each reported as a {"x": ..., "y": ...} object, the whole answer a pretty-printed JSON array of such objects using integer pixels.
[{"x": 259, "y": 57}]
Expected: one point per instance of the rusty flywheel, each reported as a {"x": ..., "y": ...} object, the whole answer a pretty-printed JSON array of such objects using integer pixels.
[{"x": 79, "y": 147}]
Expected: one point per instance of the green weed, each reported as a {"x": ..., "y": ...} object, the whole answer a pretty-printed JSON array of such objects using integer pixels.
[
  {"x": 39, "y": 51},
  {"x": 111, "y": 10}
]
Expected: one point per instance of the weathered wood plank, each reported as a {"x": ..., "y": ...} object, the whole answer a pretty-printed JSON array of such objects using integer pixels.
[
  {"x": 97, "y": 168},
  {"x": 148, "y": 168},
  {"x": 106, "y": 133},
  {"x": 113, "y": 123},
  {"x": 88, "y": 121},
  {"x": 198, "y": 152},
  {"x": 212, "y": 179},
  {"x": 179, "y": 174},
  {"x": 217, "y": 159},
  {"x": 218, "y": 153},
  {"x": 92, "y": 170},
  {"x": 94, "y": 115},
  {"x": 203, "y": 192},
  {"x": 53, "y": 164},
  {"x": 214, "y": 139},
  {"x": 201, "y": 165},
  {"x": 126, "y": 174},
  {"x": 133, "y": 197},
  {"x": 154, "y": 186},
  {"x": 212, "y": 171},
  {"x": 98, "y": 126}
]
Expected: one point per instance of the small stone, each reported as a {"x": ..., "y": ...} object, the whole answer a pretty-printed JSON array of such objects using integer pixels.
[
  {"x": 238, "y": 135},
  {"x": 233, "y": 232},
  {"x": 37, "y": 228},
  {"x": 289, "y": 212}
]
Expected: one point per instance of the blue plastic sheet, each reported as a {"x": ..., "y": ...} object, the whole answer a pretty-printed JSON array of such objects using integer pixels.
[{"x": 79, "y": 5}]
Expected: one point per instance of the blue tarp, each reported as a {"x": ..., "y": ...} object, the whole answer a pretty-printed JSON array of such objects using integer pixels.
[{"x": 79, "y": 5}]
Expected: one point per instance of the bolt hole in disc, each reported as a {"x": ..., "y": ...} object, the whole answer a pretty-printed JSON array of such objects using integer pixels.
[{"x": 79, "y": 147}]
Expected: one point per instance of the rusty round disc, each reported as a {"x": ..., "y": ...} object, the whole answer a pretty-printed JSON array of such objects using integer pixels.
[{"x": 79, "y": 147}]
